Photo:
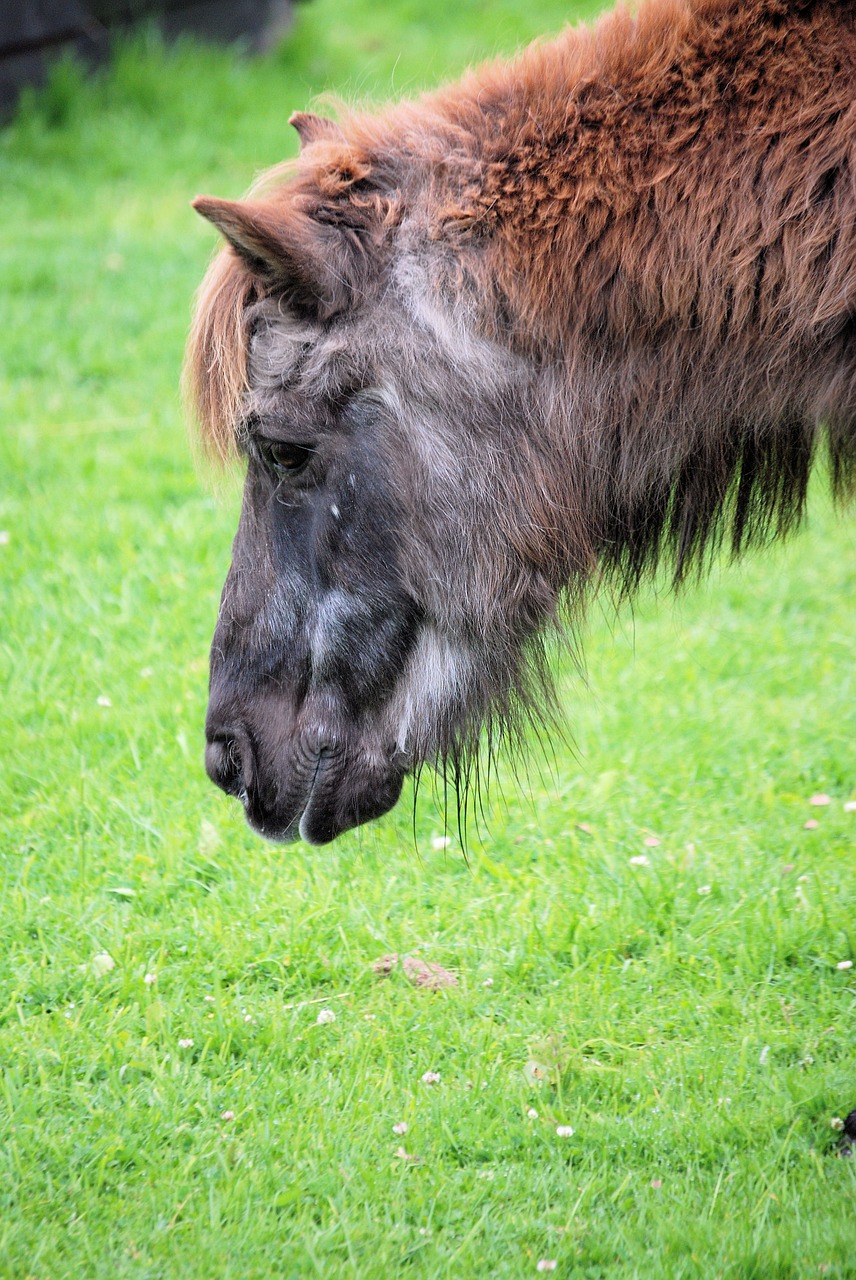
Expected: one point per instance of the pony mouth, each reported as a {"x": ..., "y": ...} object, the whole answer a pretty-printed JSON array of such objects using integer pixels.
[{"x": 335, "y": 801}]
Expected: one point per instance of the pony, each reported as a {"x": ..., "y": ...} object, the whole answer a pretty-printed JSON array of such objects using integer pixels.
[{"x": 581, "y": 314}]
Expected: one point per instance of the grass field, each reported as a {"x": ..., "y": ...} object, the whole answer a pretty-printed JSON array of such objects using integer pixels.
[{"x": 647, "y": 937}]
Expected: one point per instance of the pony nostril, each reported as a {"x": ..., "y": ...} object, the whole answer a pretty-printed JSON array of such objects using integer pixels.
[{"x": 224, "y": 766}]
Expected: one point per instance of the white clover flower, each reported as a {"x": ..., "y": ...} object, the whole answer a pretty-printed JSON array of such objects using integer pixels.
[
  {"x": 837, "y": 1123},
  {"x": 564, "y": 1131},
  {"x": 102, "y": 963},
  {"x": 844, "y": 964},
  {"x": 325, "y": 1016},
  {"x": 227, "y": 1115},
  {"x": 440, "y": 842},
  {"x": 546, "y": 1264},
  {"x": 532, "y": 1113},
  {"x": 103, "y": 701},
  {"x": 488, "y": 982},
  {"x": 820, "y": 799},
  {"x": 186, "y": 1043},
  {"x": 640, "y": 860},
  {"x": 400, "y": 1128},
  {"x": 850, "y": 806},
  {"x": 703, "y": 890},
  {"x": 150, "y": 979},
  {"x": 431, "y": 1077}
]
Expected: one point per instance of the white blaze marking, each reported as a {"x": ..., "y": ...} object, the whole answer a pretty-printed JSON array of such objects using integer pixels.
[
  {"x": 325, "y": 630},
  {"x": 435, "y": 675}
]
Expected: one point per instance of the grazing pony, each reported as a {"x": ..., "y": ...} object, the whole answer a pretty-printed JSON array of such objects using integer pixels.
[{"x": 580, "y": 313}]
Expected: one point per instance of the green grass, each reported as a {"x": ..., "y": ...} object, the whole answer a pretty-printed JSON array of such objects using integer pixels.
[{"x": 685, "y": 1017}]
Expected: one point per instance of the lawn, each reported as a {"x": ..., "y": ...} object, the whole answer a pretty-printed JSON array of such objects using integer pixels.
[{"x": 653, "y": 1027}]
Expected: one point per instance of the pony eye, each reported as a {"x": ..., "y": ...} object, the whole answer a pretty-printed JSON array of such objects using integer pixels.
[{"x": 289, "y": 458}]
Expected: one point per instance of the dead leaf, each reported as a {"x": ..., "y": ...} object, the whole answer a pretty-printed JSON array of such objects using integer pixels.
[
  {"x": 384, "y": 966},
  {"x": 424, "y": 973}
]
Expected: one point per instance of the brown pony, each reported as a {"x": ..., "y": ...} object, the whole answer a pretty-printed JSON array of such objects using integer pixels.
[{"x": 579, "y": 313}]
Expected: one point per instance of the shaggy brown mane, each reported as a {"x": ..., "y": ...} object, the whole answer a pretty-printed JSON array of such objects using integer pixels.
[{"x": 215, "y": 370}]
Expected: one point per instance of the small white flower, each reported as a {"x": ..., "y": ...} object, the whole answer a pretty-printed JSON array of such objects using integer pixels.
[
  {"x": 400, "y": 1128},
  {"x": 209, "y": 999},
  {"x": 850, "y": 806},
  {"x": 811, "y": 825},
  {"x": 325, "y": 1016},
  {"x": 640, "y": 860},
  {"x": 150, "y": 979},
  {"x": 546, "y": 1264},
  {"x": 431, "y": 1077},
  {"x": 532, "y": 1113},
  {"x": 248, "y": 1017},
  {"x": 4, "y": 537},
  {"x": 186, "y": 1043},
  {"x": 103, "y": 700},
  {"x": 837, "y": 1123},
  {"x": 227, "y": 1115},
  {"x": 564, "y": 1131},
  {"x": 844, "y": 964},
  {"x": 765, "y": 1053},
  {"x": 102, "y": 963},
  {"x": 440, "y": 842},
  {"x": 488, "y": 982},
  {"x": 820, "y": 799},
  {"x": 651, "y": 842},
  {"x": 703, "y": 889}
]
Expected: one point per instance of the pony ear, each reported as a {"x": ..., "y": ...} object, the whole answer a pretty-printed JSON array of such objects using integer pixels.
[
  {"x": 251, "y": 229},
  {"x": 314, "y": 262},
  {"x": 311, "y": 127}
]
